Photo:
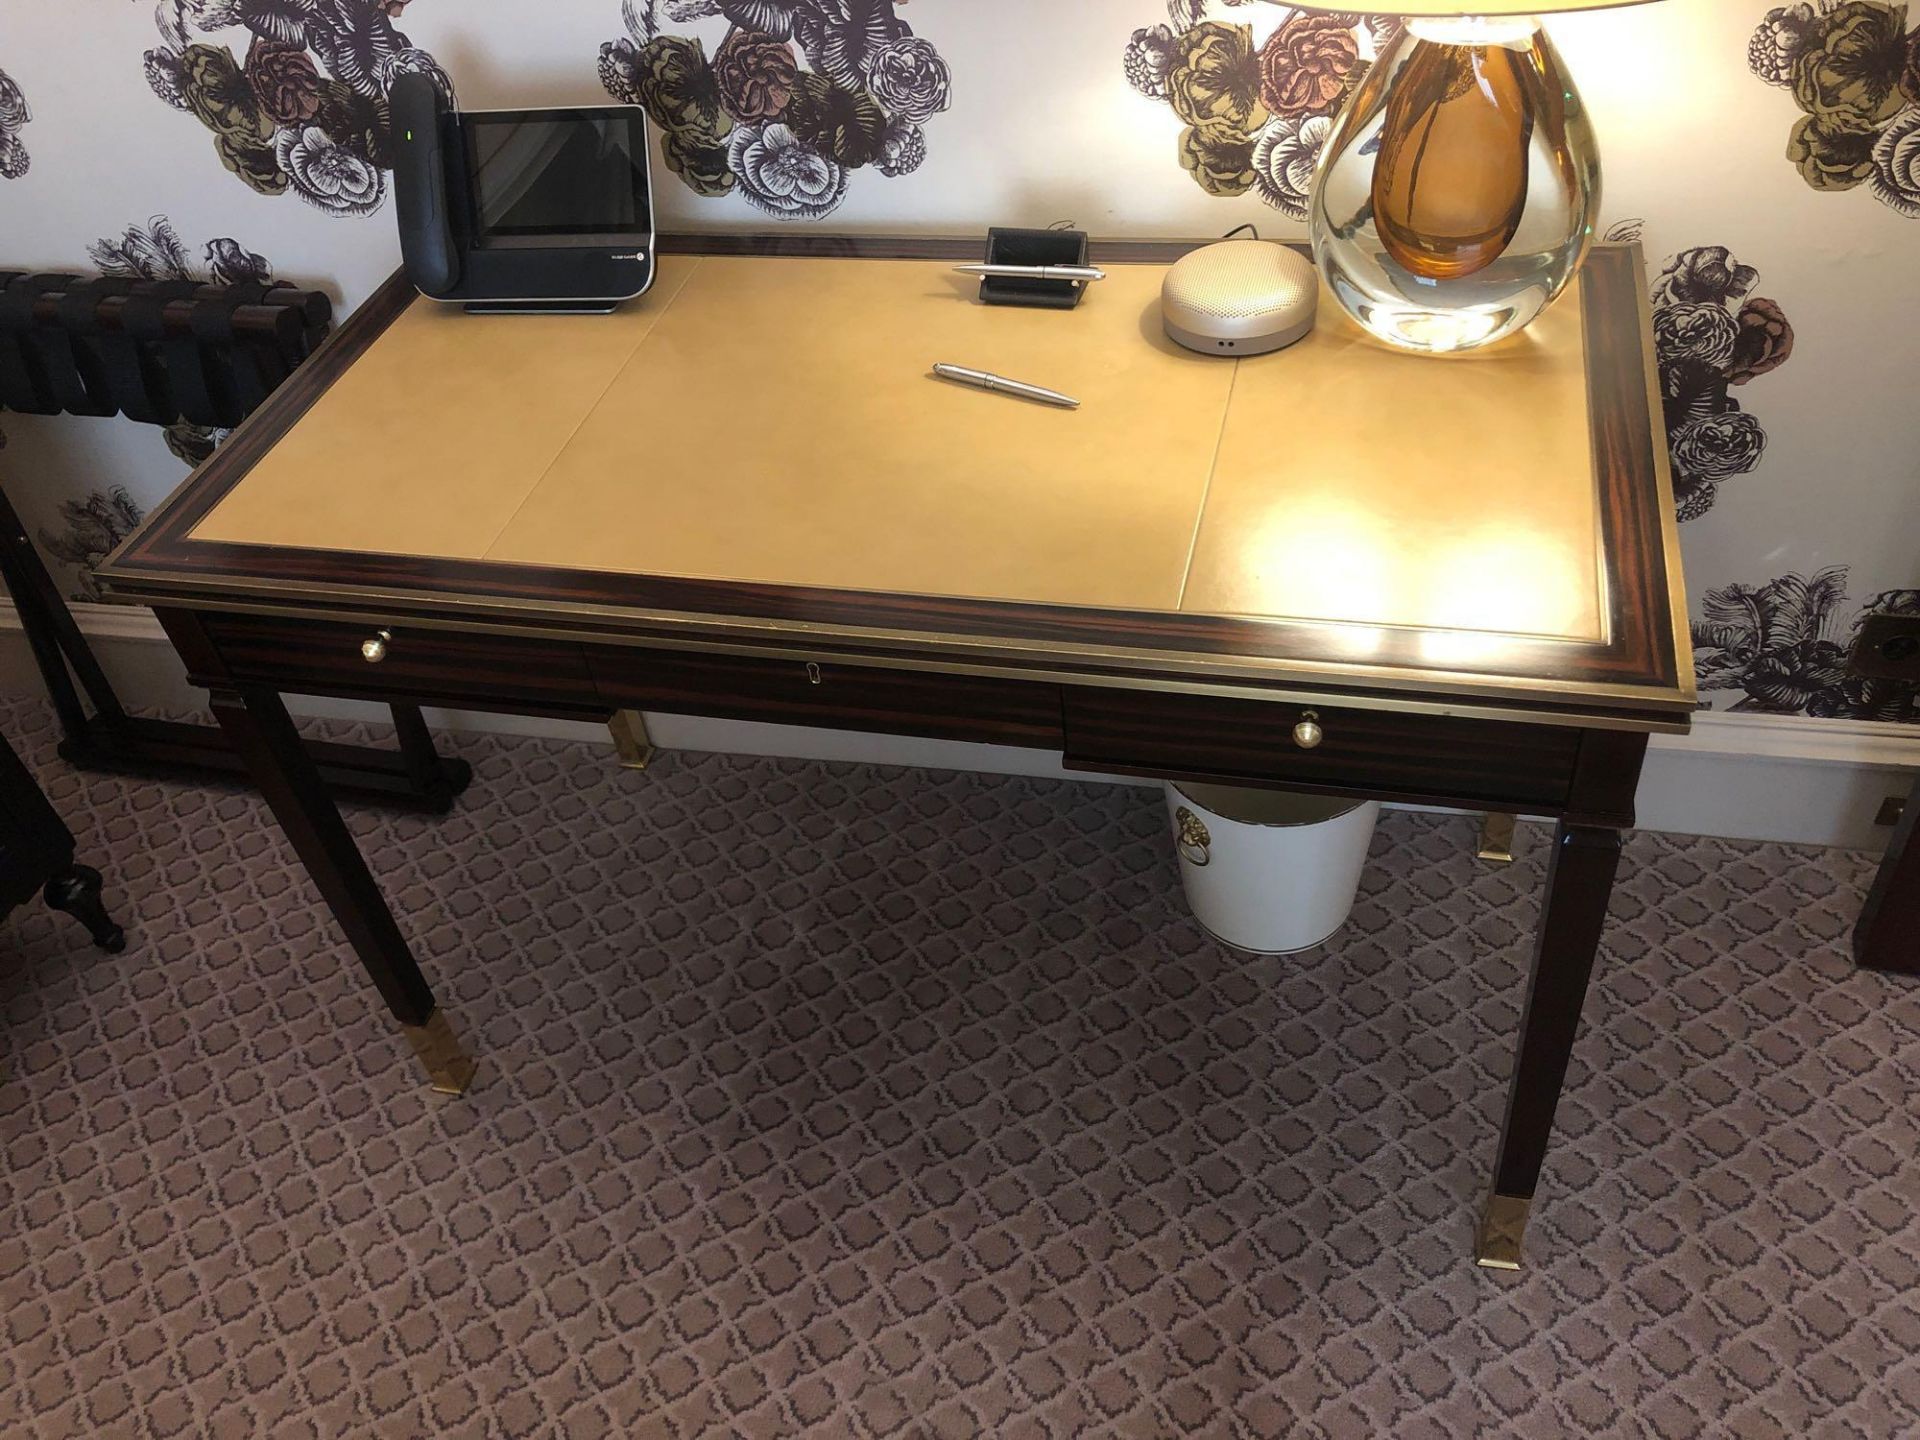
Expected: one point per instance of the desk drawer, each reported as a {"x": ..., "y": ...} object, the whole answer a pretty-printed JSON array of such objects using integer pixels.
[
  {"x": 1393, "y": 755},
  {"x": 325, "y": 657},
  {"x": 827, "y": 693}
]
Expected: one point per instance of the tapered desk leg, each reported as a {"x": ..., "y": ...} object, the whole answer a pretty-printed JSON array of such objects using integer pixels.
[
  {"x": 258, "y": 726},
  {"x": 1579, "y": 882},
  {"x": 1888, "y": 935}
]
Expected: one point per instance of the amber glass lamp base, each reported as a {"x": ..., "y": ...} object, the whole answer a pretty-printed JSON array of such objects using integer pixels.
[{"x": 1456, "y": 194}]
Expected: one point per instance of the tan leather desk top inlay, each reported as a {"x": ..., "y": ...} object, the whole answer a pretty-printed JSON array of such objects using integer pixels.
[
  {"x": 775, "y": 421},
  {"x": 1357, "y": 483},
  {"x": 809, "y": 445},
  {"x": 430, "y": 443}
]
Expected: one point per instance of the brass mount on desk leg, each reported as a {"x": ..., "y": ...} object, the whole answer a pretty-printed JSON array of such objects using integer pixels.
[
  {"x": 1502, "y": 1224},
  {"x": 630, "y": 739},
  {"x": 1496, "y": 837},
  {"x": 449, "y": 1068}
]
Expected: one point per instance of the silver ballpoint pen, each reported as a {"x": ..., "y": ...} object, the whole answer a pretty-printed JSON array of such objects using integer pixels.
[
  {"x": 981, "y": 380},
  {"x": 1036, "y": 272}
]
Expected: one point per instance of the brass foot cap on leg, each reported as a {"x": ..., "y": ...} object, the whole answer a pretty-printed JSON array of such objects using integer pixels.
[
  {"x": 449, "y": 1068},
  {"x": 1502, "y": 1224},
  {"x": 630, "y": 739},
  {"x": 1496, "y": 837}
]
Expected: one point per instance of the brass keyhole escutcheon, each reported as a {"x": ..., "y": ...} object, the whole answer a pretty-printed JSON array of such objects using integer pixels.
[
  {"x": 1308, "y": 734},
  {"x": 813, "y": 673},
  {"x": 1193, "y": 840},
  {"x": 374, "y": 649}
]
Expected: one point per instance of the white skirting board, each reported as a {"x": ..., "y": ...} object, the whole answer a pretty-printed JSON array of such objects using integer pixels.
[{"x": 1757, "y": 777}]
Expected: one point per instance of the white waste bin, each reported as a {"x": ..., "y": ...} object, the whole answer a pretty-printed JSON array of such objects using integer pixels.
[{"x": 1271, "y": 871}]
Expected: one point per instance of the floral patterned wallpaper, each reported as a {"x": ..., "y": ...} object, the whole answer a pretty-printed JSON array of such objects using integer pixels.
[
  {"x": 1853, "y": 68},
  {"x": 1772, "y": 153},
  {"x": 14, "y": 116},
  {"x": 1783, "y": 647},
  {"x": 301, "y": 105},
  {"x": 1255, "y": 117},
  {"x": 86, "y": 533},
  {"x": 14, "y": 159},
  {"x": 1710, "y": 335},
  {"x": 154, "y": 251},
  {"x": 797, "y": 96}
]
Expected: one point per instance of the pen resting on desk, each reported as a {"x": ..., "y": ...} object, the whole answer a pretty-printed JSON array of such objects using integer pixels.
[{"x": 773, "y": 422}]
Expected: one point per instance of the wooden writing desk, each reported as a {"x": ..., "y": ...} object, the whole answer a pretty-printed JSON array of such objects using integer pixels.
[{"x": 744, "y": 496}]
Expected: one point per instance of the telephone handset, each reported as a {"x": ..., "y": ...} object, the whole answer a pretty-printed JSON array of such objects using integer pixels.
[{"x": 420, "y": 116}]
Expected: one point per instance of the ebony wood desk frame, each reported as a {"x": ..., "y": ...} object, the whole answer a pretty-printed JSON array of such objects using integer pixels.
[
  {"x": 106, "y": 739},
  {"x": 1537, "y": 726}
]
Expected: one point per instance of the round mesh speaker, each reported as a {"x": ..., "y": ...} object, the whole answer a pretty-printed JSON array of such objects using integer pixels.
[{"x": 1239, "y": 297}]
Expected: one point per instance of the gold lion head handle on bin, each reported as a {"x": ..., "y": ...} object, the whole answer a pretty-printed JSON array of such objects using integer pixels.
[{"x": 1193, "y": 838}]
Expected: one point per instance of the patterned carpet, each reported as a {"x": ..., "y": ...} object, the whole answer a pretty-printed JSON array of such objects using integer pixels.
[{"x": 837, "y": 1101}]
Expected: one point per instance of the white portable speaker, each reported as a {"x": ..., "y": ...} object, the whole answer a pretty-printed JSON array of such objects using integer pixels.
[{"x": 1239, "y": 297}]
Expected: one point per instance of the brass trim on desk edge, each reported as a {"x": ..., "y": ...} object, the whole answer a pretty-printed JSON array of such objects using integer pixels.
[
  {"x": 720, "y": 634},
  {"x": 1663, "y": 484},
  {"x": 1610, "y": 538}
]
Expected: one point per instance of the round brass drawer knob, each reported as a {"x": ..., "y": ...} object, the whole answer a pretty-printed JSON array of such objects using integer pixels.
[
  {"x": 1307, "y": 734},
  {"x": 374, "y": 649}
]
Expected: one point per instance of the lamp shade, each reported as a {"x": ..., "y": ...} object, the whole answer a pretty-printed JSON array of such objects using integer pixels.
[{"x": 1432, "y": 9}]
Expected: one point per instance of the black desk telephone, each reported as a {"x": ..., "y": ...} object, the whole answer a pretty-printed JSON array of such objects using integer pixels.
[{"x": 521, "y": 210}]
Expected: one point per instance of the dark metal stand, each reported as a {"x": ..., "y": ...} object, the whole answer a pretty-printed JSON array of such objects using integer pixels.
[{"x": 108, "y": 740}]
